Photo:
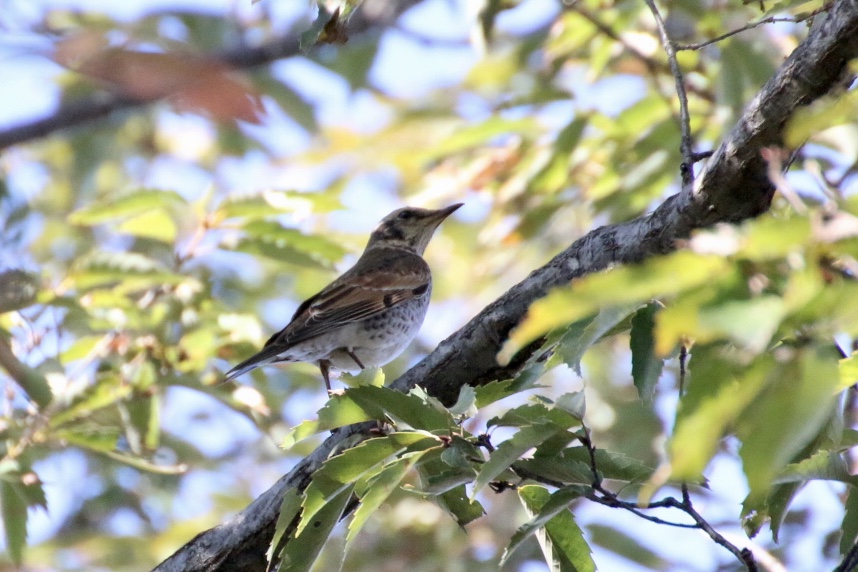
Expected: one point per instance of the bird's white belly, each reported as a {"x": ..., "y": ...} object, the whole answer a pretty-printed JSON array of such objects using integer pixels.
[{"x": 375, "y": 341}]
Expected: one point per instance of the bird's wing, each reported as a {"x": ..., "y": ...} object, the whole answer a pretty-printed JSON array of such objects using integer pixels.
[{"x": 366, "y": 290}]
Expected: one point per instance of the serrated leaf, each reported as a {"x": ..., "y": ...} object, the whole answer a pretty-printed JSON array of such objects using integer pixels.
[
  {"x": 301, "y": 550},
  {"x": 849, "y": 526},
  {"x": 412, "y": 408},
  {"x": 269, "y": 239},
  {"x": 131, "y": 269},
  {"x": 797, "y": 405},
  {"x": 511, "y": 451},
  {"x": 646, "y": 365},
  {"x": 377, "y": 490},
  {"x": 131, "y": 204},
  {"x": 661, "y": 276},
  {"x": 95, "y": 438},
  {"x": 575, "y": 403},
  {"x": 719, "y": 390},
  {"x": 823, "y": 465},
  {"x": 581, "y": 335},
  {"x": 342, "y": 471},
  {"x": 848, "y": 369},
  {"x": 535, "y": 414},
  {"x": 102, "y": 394},
  {"x": 558, "y": 469},
  {"x": 14, "y": 508},
  {"x": 155, "y": 224},
  {"x": 462, "y": 508},
  {"x": 289, "y": 509},
  {"x": 561, "y": 539},
  {"x": 466, "y": 403}
]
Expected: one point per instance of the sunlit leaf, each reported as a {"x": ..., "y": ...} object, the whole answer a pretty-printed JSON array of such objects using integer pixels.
[
  {"x": 561, "y": 539},
  {"x": 657, "y": 277}
]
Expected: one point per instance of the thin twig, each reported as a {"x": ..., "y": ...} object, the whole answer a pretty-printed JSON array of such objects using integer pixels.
[
  {"x": 685, "y": 505},
  {"x": 751, "y": 26},
  {"x": 686, "y": 144}
]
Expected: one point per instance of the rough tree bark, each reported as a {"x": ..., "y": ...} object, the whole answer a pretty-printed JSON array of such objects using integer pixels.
[{"x": 731, "y": 187}]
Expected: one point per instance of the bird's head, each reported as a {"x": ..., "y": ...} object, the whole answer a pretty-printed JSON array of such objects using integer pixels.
[{"x": 409, "y": 227}]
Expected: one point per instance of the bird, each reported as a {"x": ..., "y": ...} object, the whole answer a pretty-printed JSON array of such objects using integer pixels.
[{"x": 367, "y": 316}]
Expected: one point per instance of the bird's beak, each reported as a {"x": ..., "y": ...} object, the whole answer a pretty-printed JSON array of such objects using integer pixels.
[{"x": 445, "y": 212}]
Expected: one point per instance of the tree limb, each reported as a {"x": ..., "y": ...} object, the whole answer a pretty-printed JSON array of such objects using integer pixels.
[{"x": 731, "y": 187}]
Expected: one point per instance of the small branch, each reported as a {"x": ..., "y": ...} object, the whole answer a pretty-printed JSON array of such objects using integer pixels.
[
  {"x": 751, "y": 26},
  {"x": 608, "y": 498},
  {"x": 686, "y": 144}
]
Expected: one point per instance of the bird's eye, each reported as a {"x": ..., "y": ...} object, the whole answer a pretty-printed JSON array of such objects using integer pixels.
[{"x": 405, "y": 215}]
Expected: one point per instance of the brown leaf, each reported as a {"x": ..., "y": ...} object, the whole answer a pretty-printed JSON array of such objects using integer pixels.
[{"x": 192, "y": 83}]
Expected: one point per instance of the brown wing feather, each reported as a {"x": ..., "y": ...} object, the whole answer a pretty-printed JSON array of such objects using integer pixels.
[{"x": 370, "y": 287}]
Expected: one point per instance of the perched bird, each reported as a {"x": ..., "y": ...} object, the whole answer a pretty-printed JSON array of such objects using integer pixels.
[{"x": 367, "y": 316}]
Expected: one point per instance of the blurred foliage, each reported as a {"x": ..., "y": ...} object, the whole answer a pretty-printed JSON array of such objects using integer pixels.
[{"x": 144, "y": 253}]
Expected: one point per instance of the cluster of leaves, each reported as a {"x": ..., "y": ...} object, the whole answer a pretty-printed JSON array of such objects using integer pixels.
[{"x": 453, "y": 466}]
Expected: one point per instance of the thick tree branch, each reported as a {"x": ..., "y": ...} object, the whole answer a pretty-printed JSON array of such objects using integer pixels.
[{"x": 732, "y": 186}]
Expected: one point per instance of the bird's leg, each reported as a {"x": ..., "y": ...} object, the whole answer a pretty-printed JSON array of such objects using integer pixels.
[
  {"x": 325, "y": 367},
  {"x": 354, "y": 357}
]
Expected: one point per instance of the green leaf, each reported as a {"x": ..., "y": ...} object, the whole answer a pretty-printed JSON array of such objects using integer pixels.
[
  {"x": 289, "y": 509},
  {"x": 272, "y": 203},
  {"x": 536, "y": 414},
  {"x": 367, "y": 403},
  {"x": 133, "y": 271},
  {"x": 848, "y": 368},
  {"x": 465, "y": 405},
  {"x": 478, "y": 135},
  {"x": 661, "y": 276},
  {"x": 558, "y": 468},
  {"x": 561, "y": 539},
  {"x": 155, "y": 224},
  {"x": 102, "y": 394},
  {"x": 646, "y": 365},
  {"x": 312, "y": 34},
  {"x": 578, "y": 337},
  {"x": 89, "y": 436},
  {"x": 824, "y": 113},
  {"x": 719, "y": 390},
  {"x": 849, "y": 527},
  {"x": 796, "y": 406},
  {"x": 131, "y": 204},
  {"x": 823, "y": 465},
  {"x": 341, "y": 472},
  {"x": 461, "y": 507},
  {"x": 376, "y": 490},
  {"x": 270, "y": 239},
  {"x": 302, "y": 549},
  {"x": 414, "y": 409},
  {"x": 748, "y": 323},
  {"x": 511, "y": 451},
  {"x": 773, "y": 508},
  {"x": 14, "y": 507}
]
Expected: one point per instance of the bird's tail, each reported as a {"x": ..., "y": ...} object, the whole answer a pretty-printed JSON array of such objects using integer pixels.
[{"x": 266, "y": 356}]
